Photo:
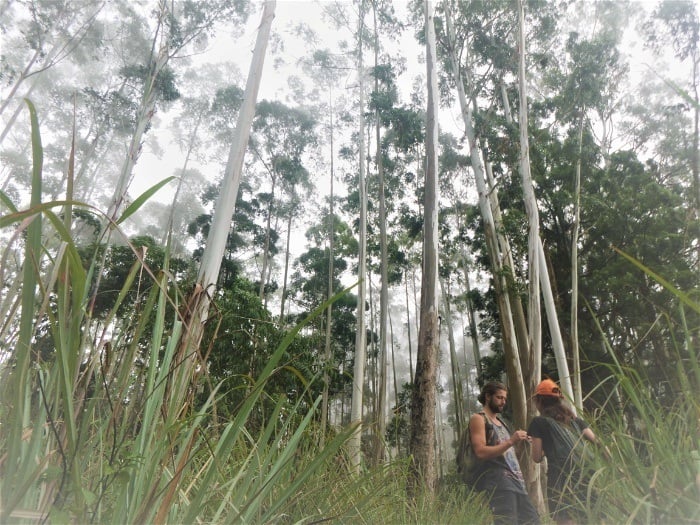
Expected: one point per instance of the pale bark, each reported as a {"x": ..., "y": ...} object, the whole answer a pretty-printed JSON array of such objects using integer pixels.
[
  {"x": 355, "y": 441},
  {"x": 516, "y": 305},
  {"x": 471, "y": 315},
  {"x": 171, "y": 216},
  {"x": 476, "y": 350},
  {"x": 145, "y": 115},
  {"x": 287, "y": 254},
  {"x": 373, "y": 371},
  {"x": 457, "y": 390},
  {"x": 226, "y": 202},
  {"x": 384, "y": 270},
  {"x": 423, "y": 403},
  {"x": 545, "y": 284},
  {"x": 533, "y": 218},
  {"x": 578, "y": 391},
  {"x": 266, "y": 246},
  {"x": 555, "y": 333},
  {"x": 517, "y": 395},
  {"x": 408, "y": 330},
  {"x": 329, "y": 310},
  {"x": 394, "y": 378}
]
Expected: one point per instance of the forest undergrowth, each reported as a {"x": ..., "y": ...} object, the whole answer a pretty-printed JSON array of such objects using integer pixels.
[{"x": 101, "y": 423}]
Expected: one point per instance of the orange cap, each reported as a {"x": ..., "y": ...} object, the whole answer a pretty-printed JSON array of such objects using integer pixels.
[{"x": 548, "y": 388}]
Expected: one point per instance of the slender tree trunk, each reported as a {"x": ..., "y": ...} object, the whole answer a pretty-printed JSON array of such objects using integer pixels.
[
  {"x": 516, "y": 305},
  {"x": 408, "y": 329},
  {"x": 695, "y": 154},
  {"x": 373, "y": 371},
  {"x": 473, "y": 330},
  {"x": 287, "y": 254},
  {"x": 534, "y": 349},
  {"x": 457, "y": 391},
  {"x": 266, "y": 244},
  {"x": 354, "y": 443},
  {"x": 545, "y": 284},
  {"x": 513, "y": 365},
  {"x": 578, "y": 390},
  {"x": 439, "y": 442},
  {"x": 468, "y": 374},
  {"x": 423, "y": 399},
  {"x": 171, "y": 216},
  {"x": 394, "y": 377},
  {"x": 557, "y": 340},
  {"x": 531, "y": 471},
  {"x": 329, "y": 311},
  {"x": 384, "y": 265},
  {"x": 225, "y": 204},
  {"x": 471, "y": 315},
  {"x": 145, "y": 115}
]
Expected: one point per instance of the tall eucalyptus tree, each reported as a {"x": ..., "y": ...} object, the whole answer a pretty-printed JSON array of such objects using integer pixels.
[
  {"x": 355, "y": 441},
  {"x": 423, "y": 399},
  {"x": 510, "y": 344},
  {"x": 174, "y": 31},
  {"x": 534, "y": 350},
  {"x": 327, "y": 69},
  {"x": 219, "y": 232},
  {"x": 281, "y": 136}
]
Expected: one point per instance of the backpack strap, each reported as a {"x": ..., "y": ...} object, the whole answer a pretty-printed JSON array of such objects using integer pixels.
[
  {"x": 504, "y": 423},
  {"x": 488, "y": 428},
  {"x": 490, "y": 431}
]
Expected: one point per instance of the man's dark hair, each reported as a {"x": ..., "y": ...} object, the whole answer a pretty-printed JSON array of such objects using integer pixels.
[
  {"x": 490, "y": 389},
  {"x": 555, "y": 408}
]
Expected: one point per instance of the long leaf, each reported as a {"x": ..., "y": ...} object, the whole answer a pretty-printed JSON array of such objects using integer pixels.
[
  {"x": 141, "y": 199},
  {"x": 18, "y": 394},
  {"x": 5, "y": 199}
]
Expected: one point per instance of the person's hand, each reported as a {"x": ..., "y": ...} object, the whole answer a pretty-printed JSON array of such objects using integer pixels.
[{"x": 518, "y": 436}]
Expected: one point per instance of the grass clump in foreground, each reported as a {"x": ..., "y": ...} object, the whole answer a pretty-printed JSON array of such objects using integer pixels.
[{"x": 651, "y": 474}]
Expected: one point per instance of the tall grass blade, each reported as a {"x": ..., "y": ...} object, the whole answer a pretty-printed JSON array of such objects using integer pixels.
[
  {"x": 17, "y": 393},
  {"x": 685, "y": 298},
  {"x": 141, "y": 199}
]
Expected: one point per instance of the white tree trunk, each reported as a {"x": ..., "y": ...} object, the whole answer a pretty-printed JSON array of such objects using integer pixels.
[
  {"x": 226, "y": 202},
  {"x": 384, "y": 270},
  {"x": 355, "y": 441},
  {"x": 533, "y": 218},
  {"x": 408, "y": 330},
  {"x": 515, "y": 372},
  {"x": 578, "y": 389},
  {"x": 545, "y": 283},
  {"x": 329, "y": 311},
  {"x": 457, "y": 390},
  {"x": 555, "y": 332}
]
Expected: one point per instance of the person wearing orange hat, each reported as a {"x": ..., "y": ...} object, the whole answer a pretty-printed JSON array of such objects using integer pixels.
[{"x": 560, "y": 436}]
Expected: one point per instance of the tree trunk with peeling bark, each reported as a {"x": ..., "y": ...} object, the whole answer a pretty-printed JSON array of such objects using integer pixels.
[{"x": 423, "y": 400}]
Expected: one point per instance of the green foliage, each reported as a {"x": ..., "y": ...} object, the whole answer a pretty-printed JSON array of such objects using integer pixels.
[
  {"x": 242, "y": 338},
  {"x": 153, "y": 457},
  {"x": 164, "y": 83}
]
